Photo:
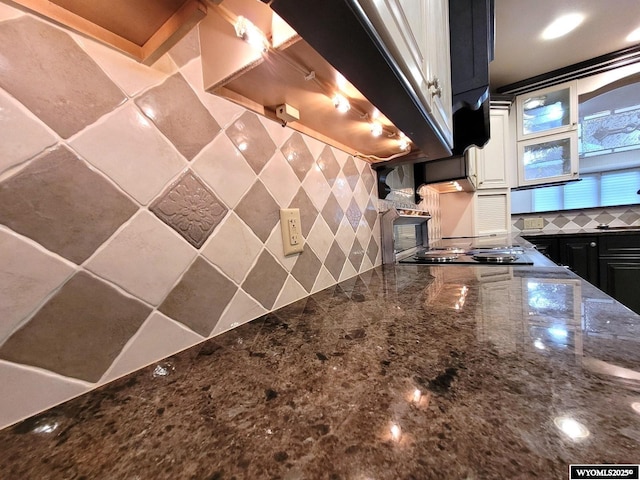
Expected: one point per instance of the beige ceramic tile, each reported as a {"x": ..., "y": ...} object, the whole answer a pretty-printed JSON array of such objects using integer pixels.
[
  {"x": 351, "y": 172},
  {"x": 308, "y": 212},
  {"x": 178, "y": 113},
  {"x": 242, "y": 309},
  {"x": 332, "y": 213},
  {"x": 324, "y": 280},
  {"x": 7, "y": 12},
  {"x": 340, "y": 156},
  {"x": 233, "y": 247},
  {"x": 278, "y": 134},
  {"x": 259, "y": 211},
  {"x": 315, "y": 146},
  {"x": 187, "y": 48},
  {"x": 317, "y": 187},
  {"x": 23, "y": 136},
  {"x": 306, "y": 269},
  {"x": 373, "y": 251},
  {"x": 320, "y": 238},
  {"x": 328, "y": 165},
  {"x": 27, "y": 275},
  {"x": 132, "y": 152},
  {"x": 79, "y": 331},
  {"x": 291, "y": 292},
  {"x": 265, "y": 280},
  {"x": 345, "y": 235},
  {"x": 158, "y": 338},
  {"x": 32, "y": 391},
  {"x": 252, "y": 140},
  {"x": 57, "y": 80},
  {"x": 361, "y": 195},
  {"x": 58, "y": 201},
  {"x": 275, "y": 247},
  {"x": 342, "y": 191},
  {"x": 279, "y": 178},
  {"x": 145, "y": 258},
  {"x": 347, "y": 272},
  {"x": 366, "y": 264},
  {"x": 356, "y": 255},
  {"x": 200, "y": 297},
  {"x": 225, "y": 170},
  {"x": 297, "y": 153},
  {"x": 129, "y": 74},
  {"x": 363, "y": 234}
]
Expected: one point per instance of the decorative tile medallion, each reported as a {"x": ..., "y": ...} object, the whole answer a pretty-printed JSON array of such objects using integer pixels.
[{"x": 190, "y": 208}]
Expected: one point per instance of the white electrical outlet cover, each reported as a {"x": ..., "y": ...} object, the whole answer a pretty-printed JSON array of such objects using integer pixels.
[{"x": 290, "y": 226}]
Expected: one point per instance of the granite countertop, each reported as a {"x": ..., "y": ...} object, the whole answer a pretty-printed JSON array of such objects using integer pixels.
[
  {"x": 404, "y": 372},
  {"x": 628, "y": 229}
]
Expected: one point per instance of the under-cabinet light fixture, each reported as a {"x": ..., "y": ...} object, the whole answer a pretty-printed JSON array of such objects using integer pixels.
[
  {"x": 403, "y": 142},
  {"x": 376, "y": 129},
  {"x": 341, "y": 103},
  {"x": 251, "y": 34}
]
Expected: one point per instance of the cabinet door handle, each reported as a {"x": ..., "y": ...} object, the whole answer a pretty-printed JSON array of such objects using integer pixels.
[
  {"x": 593, "y": 244},
  {"x": 435, "y": 85}
]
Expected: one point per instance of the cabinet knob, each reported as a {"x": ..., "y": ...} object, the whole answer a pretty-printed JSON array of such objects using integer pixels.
[
  {"x": 593, "y": 244},
  {"x": 435, "y": 85}
]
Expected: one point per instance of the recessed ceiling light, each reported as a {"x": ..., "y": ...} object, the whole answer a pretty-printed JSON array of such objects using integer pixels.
[
  {"x": 562, "y": 25},
  {"x": 634, "y": 36}
]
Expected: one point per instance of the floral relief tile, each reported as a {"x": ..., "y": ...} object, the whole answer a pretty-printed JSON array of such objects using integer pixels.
[
  {"x": 32, "y": 391},
  {"x": 280, "y": 180},
  {"x": 64, "y": 205},
  {"x": 57, "y": 80},
  {"x": 307, "y": 268},
  {"x": 351, "y": 172},
  {"x": 233, "y": 248},
  {"x": 308, "y": 211},
  {"x": 27, "y": 275},
  {"x": 221, "y": 166},
  {"x": 178, "y": 113},
  {"x": 335, "y": 260},
  {"x": 158, "y": 338},
  {"x": 297, "y": 153},
  {"x": 132, "y": 152},
  {"x": 252, "y": 140},
  {"x": 259, "y": 211},
  {"x": 199, "y": 298},
  {"x": 265, "y": 280},
  {"x": 328, "y": 165},
  {"x": 190, "y": 208},
  {"x": 145, "y": 258},
  {"x": 23, "y": 136},
  {"x": 79, "y": 331},
  {"x": 242, "y": 309},
  {"x": 332, "y": 213},
  {"x": 353, "y": 214}
]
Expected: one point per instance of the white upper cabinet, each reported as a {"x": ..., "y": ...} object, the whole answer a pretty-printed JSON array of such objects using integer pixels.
[
  {"x": 492, "y": 160},
  {"x": 547, "y": 134},
  {"x": 416, "y": 33}
]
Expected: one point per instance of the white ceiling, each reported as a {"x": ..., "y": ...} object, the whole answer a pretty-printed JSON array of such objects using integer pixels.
[{"x": 520, "y": 53}]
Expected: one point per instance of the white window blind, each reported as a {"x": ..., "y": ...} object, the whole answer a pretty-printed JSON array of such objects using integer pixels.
[
  {"x": 619, "y": 188},
  {"x": 582, "y": 194},
  {"x": 547, "y": 199}
]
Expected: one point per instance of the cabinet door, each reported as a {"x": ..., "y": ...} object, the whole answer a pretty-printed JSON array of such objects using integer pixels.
[
  {"x": 580, "y": 254},
  {"x": 620, "y": 278},
  {"x": 493, "y": 212},
  {"x": 548, "y": 246},
  {"x": 492, "y": 159},
  {"x": 549, "y": 159},
  {"x": 550, "y": 110}
]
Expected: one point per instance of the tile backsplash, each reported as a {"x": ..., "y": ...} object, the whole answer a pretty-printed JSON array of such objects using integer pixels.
[
  {"x": 139, "y": 214},
  {"x": 574, "y": 220}
]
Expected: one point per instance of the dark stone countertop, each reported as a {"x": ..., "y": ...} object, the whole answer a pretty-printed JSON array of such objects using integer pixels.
[{"x": 405, "y": 372}]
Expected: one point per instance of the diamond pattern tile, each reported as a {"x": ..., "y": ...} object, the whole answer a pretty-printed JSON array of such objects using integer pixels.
[
  {"x": 252, "y": 140},
  {"x": 56, "y": 79},
  {"x": 297, "y": 153},
  {"x": 242, "y": 309},
  {"x": 345, "y": 235},
  {"x": 79, "y": 331},
  {"x": 179, "y": 114},
  {"x": 221, "y": 166},
  {"x": 307, "y": 268},
  {"x": 605, "y": 217},
  {"x": 629, "y": 217},
  {"x": 317, "y": 187},
  {"x": 582, "y": 219},
  {"x": 351, "y": 172},
  {"x": 368, "y": 178},
  {"x": 560, "y": 221},
  {"x": 372, "y": 250},
  {"x": 190, "y": 208},
  {"x": 64, "y": 205},
  {"x": 519, "y": 224},
  {"x": 353, "y": 214},
  {"x": 320, "y": 238},
  {"x": 200, "y": 297},
  {"x": 335, "y": 260},
  {"x": 187, "y": 48},
  {"x": 329, "y": 165},
  {"x": 279, "y": 178},
  {"x": 259, "y": 210},
  {"x": 356, "y": 254},
  {"x": 332, "y": 213},
  {"x": 371, "y": 214},
  {"x": 265, "y": 280},
  {"x": 308, "y": 212},
  {"x": 342, "y": 191}
]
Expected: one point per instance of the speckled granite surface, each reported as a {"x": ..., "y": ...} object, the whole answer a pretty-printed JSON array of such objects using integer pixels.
[{"x": 407, "y": 372}]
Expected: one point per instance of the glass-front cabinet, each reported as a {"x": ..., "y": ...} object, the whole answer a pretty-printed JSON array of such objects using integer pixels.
[
  {"x": 548, "y": 135},
  {"x": 552, "y": 158}
]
